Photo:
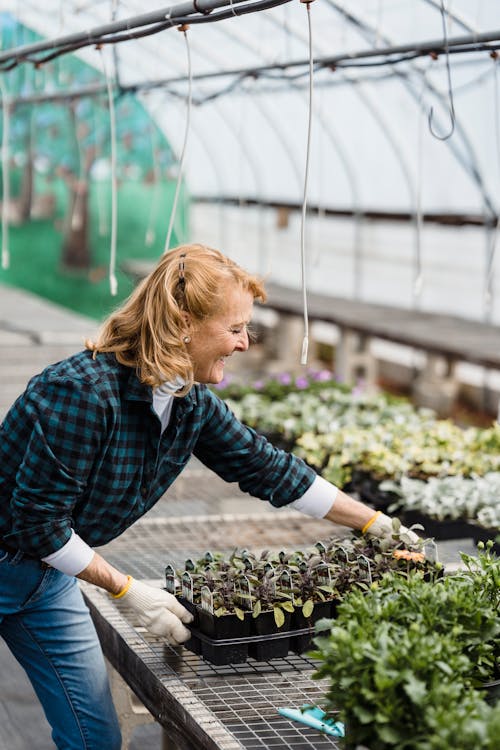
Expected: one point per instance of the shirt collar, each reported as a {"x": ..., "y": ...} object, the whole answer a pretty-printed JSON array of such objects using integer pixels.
[{"x": 137, "y": 391}]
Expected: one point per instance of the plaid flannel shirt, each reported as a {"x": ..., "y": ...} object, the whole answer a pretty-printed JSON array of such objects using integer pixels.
[{"x": 82, "y": 448}]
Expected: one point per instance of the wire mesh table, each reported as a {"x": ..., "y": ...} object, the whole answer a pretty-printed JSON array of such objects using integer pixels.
[
  {"x": 202, "y": 706},
  {"x": 198, "y": 704}
]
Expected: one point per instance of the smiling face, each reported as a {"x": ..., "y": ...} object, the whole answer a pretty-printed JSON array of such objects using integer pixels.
[{"x": 218, "y": 337}]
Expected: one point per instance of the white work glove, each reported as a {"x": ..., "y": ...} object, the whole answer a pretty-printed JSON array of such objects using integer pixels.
[
  {"x": 160, "y": 612},
  {"x": 391, "y": 529}
]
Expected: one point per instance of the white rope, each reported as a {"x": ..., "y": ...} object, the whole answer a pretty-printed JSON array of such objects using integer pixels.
[
  {"x": 102, "y": 216},
  {"x": 183, "y": 154},
  {"x": 490, "y": 261},
  {"x": 305, "y": 341},
  {"x": 5, "y": 174},
  {"x": 113, "y": 283},
  {"x": 418, "y": 277}
]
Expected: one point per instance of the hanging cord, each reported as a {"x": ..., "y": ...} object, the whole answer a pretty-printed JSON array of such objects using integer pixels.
[
  {"x": 418, "y": 278},
  {"x": 450, "y": 87},
  {"x": 489, "y": 275},
  {"x": 184, "y": 29},
  {"x": 102, "y": 218},
  {"x": 305, "y": 341},
  {"x": 113, "y": 283},
  {"x": 5, "y": 174}
]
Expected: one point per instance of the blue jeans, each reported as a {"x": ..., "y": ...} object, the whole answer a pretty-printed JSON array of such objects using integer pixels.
[{"x": 48, "y": 628}]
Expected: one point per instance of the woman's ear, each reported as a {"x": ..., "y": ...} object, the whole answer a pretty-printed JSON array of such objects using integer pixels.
[{"x": 187, "y": 319}]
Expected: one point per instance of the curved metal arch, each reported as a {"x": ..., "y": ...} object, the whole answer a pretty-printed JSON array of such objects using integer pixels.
[{"x": 471, "y": 167}]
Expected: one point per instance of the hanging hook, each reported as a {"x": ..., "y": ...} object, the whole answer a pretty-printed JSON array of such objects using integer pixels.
[{"x": 450, "y": 88}]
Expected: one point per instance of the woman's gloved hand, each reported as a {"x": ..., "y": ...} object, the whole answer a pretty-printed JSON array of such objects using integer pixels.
[
  {"x": 160, "y": 612},
  {"x": 390, "y": 529}
]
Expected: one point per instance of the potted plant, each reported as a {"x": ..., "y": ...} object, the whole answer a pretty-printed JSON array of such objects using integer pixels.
[
  {"x": 271, "y": 613},
  {"x": 315, "y": 597},
  {"x": 222, "y": 617},
  {"x": 405, "y": 659}
]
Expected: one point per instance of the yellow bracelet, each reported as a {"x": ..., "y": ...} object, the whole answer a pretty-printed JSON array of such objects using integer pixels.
[
  {"x": 124, "y": 589},
  {"x": 372, "y": 520}
]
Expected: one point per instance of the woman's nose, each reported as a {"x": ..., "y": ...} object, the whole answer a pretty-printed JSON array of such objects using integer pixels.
[{"x": 243, "y": 341}]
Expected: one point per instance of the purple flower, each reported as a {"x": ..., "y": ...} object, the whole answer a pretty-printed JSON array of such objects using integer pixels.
[
  {"x": 301, "y": 382},
  {"x": 322, "y": 375},
  {"x": 258, "y": 385},
  {"x": 285, "y": 378}
]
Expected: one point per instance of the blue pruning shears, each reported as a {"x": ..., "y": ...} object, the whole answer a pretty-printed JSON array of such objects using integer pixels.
[{"x": 316, "y": 718}]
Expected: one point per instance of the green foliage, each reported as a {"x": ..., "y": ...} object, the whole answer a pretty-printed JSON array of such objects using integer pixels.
[{"x": 403, "y": 659}]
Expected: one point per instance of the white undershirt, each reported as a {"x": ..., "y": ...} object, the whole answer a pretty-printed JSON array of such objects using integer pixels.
[{"x": 76, "y": 555}]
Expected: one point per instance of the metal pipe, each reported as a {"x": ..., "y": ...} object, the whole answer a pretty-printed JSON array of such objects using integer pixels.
[
  {"x": 93, "y": 36},
  {"x": 467, "y": 43}
]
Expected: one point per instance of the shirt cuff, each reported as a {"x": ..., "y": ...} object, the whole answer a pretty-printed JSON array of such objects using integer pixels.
[
  {"x": 317, "y": 500},
  {"x": 72, "y": 557}
]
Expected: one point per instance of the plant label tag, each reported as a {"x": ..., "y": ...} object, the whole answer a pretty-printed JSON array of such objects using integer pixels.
[
  {"x": 431, "y": 551},
  {"x": 323, "y": 574},
  {"x": 271, "y": 576},
  {"x": 187, "y": 586},
  {"x": 368, "y": 567},
  {"x": 285, "y": 583},
  {"x": 243, "y": 589},
  {"x": 248, "y": 563},
  {"x": 342, "y": 553},
  {"x": 207, "y": 600},
  {"x": 320, "y": 547},
  {"x": 170, "y": 579}
]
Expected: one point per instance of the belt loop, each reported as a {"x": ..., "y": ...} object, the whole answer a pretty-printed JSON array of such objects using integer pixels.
[{"x": 18, "y": 557}]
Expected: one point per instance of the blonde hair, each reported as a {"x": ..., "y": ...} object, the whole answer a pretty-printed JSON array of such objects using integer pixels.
[{"x": 147, "y": 331}]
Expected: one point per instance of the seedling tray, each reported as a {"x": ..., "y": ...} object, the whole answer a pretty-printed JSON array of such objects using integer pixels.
[{"x": 222, "y": 651}]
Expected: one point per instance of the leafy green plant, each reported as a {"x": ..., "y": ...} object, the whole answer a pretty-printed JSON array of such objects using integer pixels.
[
  {"x": 403, "y": 659},
  {"x": 267, "y": 595}
]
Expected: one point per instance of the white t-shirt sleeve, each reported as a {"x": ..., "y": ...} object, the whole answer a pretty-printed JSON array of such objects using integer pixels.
[
  {"x": 317, "y": 500},
  {"x": 72, "y": 557}
]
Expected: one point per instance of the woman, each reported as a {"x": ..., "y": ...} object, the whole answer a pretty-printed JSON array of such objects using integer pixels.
[{"x": 95, "y": 441}]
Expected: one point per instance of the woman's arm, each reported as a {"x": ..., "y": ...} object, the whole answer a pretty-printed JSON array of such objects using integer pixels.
[
  {"x": 103, "y": 574},
  {"x": 349, "y": 512}
]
